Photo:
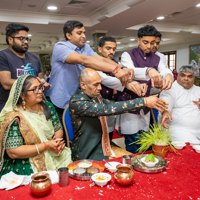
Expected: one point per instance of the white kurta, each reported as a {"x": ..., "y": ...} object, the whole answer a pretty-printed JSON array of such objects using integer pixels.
[
  {"x": 185, "y": 114},
  {"x": 163, "y": 58},
  {"x": 115, "y": 83},
  {"x": 132, "y": 123}
]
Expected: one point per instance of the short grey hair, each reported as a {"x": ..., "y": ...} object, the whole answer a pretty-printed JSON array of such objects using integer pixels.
[
  {"x": 84, "y": 76},
  {"x": 189, "y": 68}
]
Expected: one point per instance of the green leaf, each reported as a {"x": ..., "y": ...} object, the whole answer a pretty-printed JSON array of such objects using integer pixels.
[{"x": 150, "y": 157}]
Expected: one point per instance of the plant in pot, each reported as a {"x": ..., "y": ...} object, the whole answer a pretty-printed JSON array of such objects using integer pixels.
[{"x": 157, "y": 137}]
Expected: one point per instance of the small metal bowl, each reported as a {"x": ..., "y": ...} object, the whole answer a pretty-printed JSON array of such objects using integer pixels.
[
  {"x": 92, "y": 170},
  {"x": 85, "y": 164},
  {"x": 79, "y": 171}
]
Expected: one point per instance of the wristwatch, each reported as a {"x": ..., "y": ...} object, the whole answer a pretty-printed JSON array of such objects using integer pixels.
[{"x": 123, "y": 67}]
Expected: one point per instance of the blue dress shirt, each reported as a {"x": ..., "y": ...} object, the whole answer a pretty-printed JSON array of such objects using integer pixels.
[{"x": 64, "y": 76}]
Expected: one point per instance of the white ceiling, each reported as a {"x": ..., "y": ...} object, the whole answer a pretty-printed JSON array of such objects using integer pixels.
[{"x": 119, "y": 18}]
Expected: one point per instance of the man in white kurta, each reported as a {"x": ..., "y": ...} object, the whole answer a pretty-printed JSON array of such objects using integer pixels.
[
  {"x": 156, "y": 47},
  {"x": 107, "y": 47},
  {"x": 183, "y": 113},
  {"x": 162, "y": 57},
  {"x": 132, "y": 124}
]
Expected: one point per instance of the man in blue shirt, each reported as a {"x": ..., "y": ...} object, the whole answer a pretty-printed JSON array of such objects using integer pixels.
[{"x": 70, "y": 58}]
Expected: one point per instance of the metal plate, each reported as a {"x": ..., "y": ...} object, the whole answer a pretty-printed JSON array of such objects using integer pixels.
[
  {"x": 141, "y": 167},
  {"x": 85, "y": 176},
  {"x": 82, "y": 177}
]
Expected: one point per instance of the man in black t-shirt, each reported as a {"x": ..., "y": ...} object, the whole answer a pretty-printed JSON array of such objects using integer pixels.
[{"x": 16, "y": 61}]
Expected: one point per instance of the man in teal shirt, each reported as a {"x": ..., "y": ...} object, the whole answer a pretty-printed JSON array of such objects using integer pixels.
[{"x": 86, "y": 110}]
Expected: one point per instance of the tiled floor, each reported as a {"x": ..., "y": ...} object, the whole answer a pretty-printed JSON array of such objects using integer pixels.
[{"x": 120, "y": 142}]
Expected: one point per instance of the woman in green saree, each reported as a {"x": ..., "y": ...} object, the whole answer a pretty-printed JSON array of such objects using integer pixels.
[{"x": 30, "y": 132}]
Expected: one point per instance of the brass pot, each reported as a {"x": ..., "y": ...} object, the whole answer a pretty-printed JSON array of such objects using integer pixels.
[
  {"x": 124, "y": 175},
  {"x": 40, "y": 184}
]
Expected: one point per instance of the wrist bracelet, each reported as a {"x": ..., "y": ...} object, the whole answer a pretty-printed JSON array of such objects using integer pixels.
[
  {"x": 123, "y": 67},
  {"x": 45, "y": 146},
  {"x": 37, "y": 148},
  {"x": 148, "y": 69}
]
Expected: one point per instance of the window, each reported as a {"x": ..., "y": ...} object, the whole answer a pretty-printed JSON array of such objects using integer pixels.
[{"x": 171, "y": 59}]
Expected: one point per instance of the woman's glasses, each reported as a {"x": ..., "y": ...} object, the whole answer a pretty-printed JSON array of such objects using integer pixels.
[{"x": 37, "y": 89}]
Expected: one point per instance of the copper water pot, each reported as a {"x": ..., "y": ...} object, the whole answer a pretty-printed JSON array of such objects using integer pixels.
[
  {"x": 40, "y": 184},
  {"x": 124, "y": 175}
]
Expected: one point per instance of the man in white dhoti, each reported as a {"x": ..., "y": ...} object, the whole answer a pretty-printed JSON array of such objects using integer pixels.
[{"x": 183, "y": 113}]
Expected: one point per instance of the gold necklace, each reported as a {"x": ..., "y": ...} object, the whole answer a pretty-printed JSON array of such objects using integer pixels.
[{"x": 39, "y": 111}]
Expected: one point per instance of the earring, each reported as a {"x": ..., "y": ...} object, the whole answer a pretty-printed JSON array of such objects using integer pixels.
[{"x": 23, "y": 104}]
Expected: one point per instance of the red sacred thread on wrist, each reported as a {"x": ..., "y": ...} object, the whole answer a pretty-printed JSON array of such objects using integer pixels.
[
  {"x": 145, "y": 101},
  {"x": 116, "y": 70},
  {"x": 45, "y": 147}
]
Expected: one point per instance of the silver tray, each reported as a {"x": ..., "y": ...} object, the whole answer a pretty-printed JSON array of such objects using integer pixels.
[
  {"x": 139, "y": 166},
  {"x": 85, "y": 176}
]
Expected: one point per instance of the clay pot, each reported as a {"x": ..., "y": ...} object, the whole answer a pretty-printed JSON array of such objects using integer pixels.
[
  {"x": 160, "y": 150},
  {"x": 40, "y": 184},
  {"x": 124, "y": 175}
]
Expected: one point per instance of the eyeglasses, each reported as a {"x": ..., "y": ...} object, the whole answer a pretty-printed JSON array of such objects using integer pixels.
[
  {"x": 37, "y": 89},
  {"x": 23, "y": 39}
]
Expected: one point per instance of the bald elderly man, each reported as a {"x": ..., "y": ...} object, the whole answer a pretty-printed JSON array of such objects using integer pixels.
[{"x": 88, "y": 110}]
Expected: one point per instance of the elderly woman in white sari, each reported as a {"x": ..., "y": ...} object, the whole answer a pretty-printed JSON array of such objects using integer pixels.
[{"x": 30, "y": 132}]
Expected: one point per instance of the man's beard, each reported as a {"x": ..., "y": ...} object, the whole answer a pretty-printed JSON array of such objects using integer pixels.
[
  {"x": 154, "y": 49},
  {"x": 18, "y": 48}
]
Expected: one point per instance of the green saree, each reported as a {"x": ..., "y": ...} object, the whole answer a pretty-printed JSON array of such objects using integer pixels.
[{"x": 20, "y": 127}]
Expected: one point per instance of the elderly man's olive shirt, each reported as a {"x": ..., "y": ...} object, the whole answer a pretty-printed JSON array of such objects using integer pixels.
[{"x": 85, "y": 115}]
